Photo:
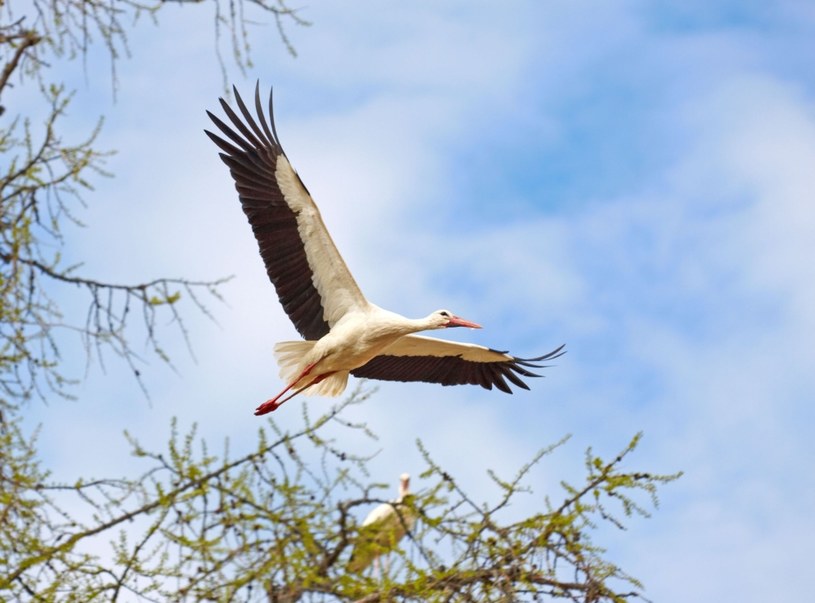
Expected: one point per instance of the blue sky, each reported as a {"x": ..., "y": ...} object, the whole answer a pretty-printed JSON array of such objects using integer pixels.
[{"x": 631, "y": 178}]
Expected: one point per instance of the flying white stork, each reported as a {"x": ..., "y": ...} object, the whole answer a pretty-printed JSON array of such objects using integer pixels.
[
  {"x": 344, "y": 333},
  {"x": 382, "y": 529}
]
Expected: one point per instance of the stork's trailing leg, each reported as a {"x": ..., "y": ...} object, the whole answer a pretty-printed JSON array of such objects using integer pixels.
[{"x": 273, "y": 404}]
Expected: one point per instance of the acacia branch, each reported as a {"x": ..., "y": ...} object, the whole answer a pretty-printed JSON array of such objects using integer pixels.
[
  {"x": 96, "y": 284},
  {"x": 458, "y": 580},
  {"x": 162, "y": 500},
  {"x": 28, "y": 38}
]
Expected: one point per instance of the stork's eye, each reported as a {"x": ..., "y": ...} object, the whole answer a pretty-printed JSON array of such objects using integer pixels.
[{"x": 445, "y": 314}]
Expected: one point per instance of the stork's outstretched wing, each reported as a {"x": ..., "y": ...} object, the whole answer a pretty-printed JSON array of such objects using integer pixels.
[
  {"x": 312, "y": 281},
  {"x": 419, "y": 358}
]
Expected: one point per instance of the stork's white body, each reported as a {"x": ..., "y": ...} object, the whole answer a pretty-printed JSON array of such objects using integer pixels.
[
  {"x": 383, "y": 528},
  {"x": 352, "y": 342},
  {"x": 357, "y": 338},
  {"x": 344, "y": 333}
]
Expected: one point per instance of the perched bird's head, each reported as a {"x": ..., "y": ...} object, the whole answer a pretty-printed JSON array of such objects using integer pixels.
[
  {"x": 404, "y": 485},
  {"x": 444, "y": 319}
]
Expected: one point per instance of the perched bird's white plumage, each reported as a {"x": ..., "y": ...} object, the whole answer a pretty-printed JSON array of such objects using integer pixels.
[
  {"x": 344, "y": 333},
  {"x": 383, "y": 528}
]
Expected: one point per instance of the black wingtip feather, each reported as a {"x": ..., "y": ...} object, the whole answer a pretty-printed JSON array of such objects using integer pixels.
[
  {"x": 272, "y": 136},
  {"x": 252, "y": 123},
  {"x": 499, "y": 382},
  {"x": 271, "y": 115}
]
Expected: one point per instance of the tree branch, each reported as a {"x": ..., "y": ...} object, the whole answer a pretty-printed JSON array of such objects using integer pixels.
[{"x": 27, "y": 38}]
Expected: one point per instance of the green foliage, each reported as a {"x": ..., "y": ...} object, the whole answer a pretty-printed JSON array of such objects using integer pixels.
[{"x": 279, "y": 522}]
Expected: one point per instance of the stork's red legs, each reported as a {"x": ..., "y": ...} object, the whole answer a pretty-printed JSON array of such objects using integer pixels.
[{"x": 274, "y": 404}]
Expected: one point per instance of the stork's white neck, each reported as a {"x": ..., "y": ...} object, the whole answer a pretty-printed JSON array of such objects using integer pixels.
[
  {"x": 422, "y": 324},
  {"x": 385, "y": 322},
  {"x": 404, "y": 486}
]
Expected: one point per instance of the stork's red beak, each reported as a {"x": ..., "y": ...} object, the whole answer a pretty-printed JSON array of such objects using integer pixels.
[{"x": 457, "y": 321}]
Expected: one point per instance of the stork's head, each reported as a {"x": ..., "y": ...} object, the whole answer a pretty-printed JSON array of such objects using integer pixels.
[
  {"x": 444, "y": 319},
  {"x": 404, "y": 485}
]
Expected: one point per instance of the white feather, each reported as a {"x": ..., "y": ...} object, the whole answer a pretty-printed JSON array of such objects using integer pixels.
[
  {"x": 420, "y": 345},
  {"x": 338, "y": 290}
]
